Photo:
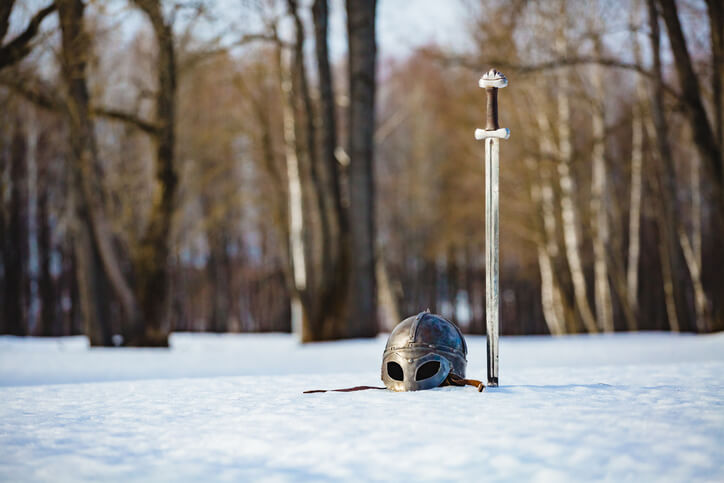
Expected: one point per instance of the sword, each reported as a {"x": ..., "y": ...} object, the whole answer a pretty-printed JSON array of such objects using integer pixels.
[{"x": 492, "y": 134}]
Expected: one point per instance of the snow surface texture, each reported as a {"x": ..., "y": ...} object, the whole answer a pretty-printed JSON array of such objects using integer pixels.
[{"x": 624, "y": 407}]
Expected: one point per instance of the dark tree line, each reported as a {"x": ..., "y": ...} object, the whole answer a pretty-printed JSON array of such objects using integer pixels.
[{"x": 249, "y": 182}]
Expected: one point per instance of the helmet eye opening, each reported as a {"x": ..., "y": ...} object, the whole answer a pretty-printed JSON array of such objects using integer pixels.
[
  {"x": 394, "y": 370},
  {"x": 427, "y": 370}
]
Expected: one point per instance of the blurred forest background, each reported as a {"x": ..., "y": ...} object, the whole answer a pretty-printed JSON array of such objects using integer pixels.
[{"x": 165, "y": 167}]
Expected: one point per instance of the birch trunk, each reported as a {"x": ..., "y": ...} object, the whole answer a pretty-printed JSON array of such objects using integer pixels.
[
  {"x": 604, "y": 311},
  {"x": 692, "y": 262},
  {"x": 296, "y": 222},
  {"x": 569, "y": 213},
  {"x": 550, "y": 230},
  {"x": 390, "y": 313},
  {"x": 552, "y": 313}
]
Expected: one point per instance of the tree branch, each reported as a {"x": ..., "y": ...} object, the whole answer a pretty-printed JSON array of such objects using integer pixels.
[
  {"x": 42, "y": 96},
  {"x": 194, "y": 57},
  {"x": 5, "y": 9},
  {"x": 19, "y": 47},
  {"x": 526, "y": 69},
  {"x": 126, "y": 118},
  {"x": 33, "y": 91}
]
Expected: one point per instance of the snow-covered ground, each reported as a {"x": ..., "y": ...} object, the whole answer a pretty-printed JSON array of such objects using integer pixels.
[{"x": 625, "y": 407}]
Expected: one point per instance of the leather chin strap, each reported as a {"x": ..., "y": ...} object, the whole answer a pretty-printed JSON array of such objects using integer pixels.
[
  {"x": 453, "y": 380},
  {"x": 349, "y": 389},
  {"x": 450, "y": 380}
]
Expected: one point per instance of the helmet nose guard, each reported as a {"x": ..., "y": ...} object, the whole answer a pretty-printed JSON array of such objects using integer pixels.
[{"x": 421, "y": 352}]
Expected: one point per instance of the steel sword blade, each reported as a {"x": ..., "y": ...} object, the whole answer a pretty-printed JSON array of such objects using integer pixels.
[
  {"x": 491, "y": 82},
  {"x": 492, "y": 213}
]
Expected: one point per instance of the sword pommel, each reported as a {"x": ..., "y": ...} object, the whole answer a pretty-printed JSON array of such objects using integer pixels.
[{"x": 493, "y": 78}]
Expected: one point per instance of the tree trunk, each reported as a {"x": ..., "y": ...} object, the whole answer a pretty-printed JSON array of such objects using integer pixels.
[
  {"x": 151, "y": 262},
  {"x": 703, "y": 133},
  {"x": 555, "y": 307},
  {"x": 669, "y": 220},
  {"x": 15, "y": 250},
  {"x": 335, "y": 290},
  {"x": 599, "y": 217},
  {"x": 552, "y": 312},
  {"x": 317, "y": 201},
  {"x": 362, "y": 320},
  {"x": 716, "y": 30},
  {"x": 701, "y": 303},
  {"x": 297, "y": 257},
  {"x": 3, "y": 235},
  {"x": 637, "y": 161},
  {"x": 96, "y": 262},
  {"x": 387, "y": 300},
  {"x": 46, "y": 284},
  {"x": 569, "y": 213},
  {"x": 218, "y": 266}
]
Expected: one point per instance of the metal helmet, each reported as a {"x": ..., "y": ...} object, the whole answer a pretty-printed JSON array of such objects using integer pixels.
[{"x": 421, "y": 352}]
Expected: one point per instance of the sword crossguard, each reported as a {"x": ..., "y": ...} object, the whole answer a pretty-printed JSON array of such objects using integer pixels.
[
  {"x": 502, "y": 133},
  {"x": 491, "y": 81}
]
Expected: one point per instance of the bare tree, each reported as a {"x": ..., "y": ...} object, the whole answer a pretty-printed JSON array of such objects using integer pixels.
[{"x": 151, "y": 264}]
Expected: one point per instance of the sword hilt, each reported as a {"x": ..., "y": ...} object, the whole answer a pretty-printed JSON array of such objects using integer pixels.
[
  {"x": 491, "y": 82},
  {"x": 491, "y": 121}
]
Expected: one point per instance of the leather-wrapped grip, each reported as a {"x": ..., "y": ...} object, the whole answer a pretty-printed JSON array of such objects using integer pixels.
[{"x": 491, "y": 123}]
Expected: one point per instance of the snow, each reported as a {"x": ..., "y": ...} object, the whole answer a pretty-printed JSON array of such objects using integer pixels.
[{"x": 624, "y": 407}]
